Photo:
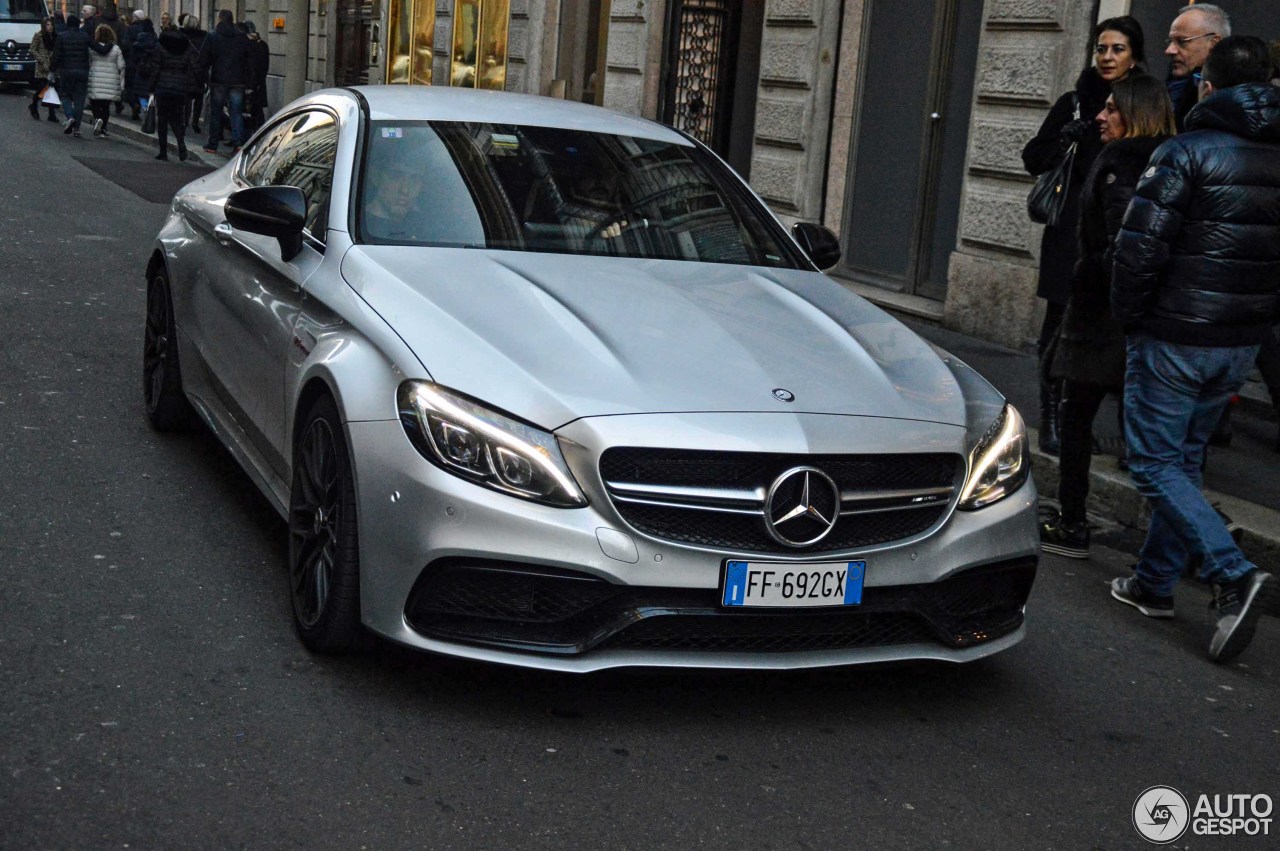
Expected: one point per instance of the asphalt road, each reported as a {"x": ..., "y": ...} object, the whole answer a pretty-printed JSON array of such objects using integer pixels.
[{"x": 153, "y": 695}]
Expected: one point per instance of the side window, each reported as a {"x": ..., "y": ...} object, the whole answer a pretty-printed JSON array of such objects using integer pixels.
[
  {"x": 299, "y": 152},
  {"x": 305, "y": 160}
]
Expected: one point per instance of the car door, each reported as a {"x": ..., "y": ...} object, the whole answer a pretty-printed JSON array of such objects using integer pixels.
[{"x": 259, "y": 293}]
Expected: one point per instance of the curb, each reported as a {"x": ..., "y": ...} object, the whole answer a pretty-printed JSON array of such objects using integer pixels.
[
  {"x": 1113, "y": 496},
  {"x": 127, "y": 129}
]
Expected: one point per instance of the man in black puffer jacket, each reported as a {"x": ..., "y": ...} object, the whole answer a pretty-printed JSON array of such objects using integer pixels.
[
  {"x": 170, "y": 75},
  {"x": 1196, "y": 282},
  {"x": 70, "y": 62}
]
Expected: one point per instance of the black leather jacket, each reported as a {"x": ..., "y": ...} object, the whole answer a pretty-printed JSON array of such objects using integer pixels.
[{"x": 1197, "y": 260}]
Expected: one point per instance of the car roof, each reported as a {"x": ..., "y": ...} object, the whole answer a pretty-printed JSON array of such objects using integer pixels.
[{"x": 445, "y": 103}]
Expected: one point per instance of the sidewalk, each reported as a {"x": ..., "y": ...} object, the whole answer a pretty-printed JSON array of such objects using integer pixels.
[
  {"x": 126, "y": 128},
  {"x": 1244, "y": 479}
]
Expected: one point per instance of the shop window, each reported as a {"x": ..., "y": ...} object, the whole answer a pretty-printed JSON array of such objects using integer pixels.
[
  {"x": 409, "y": 44},
  {"x": 478, "y": 57}
]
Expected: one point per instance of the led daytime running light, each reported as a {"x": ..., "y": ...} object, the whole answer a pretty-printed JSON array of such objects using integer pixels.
[{"x": 1008, "y": 432}]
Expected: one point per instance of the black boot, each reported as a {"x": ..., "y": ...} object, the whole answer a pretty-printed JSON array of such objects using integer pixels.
[
  {"x": 1050, "y": 405},
  {"x": 52, "y": 117},
  {"x": 33, "y": 109}
]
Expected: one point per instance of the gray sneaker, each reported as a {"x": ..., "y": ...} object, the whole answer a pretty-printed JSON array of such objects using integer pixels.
[
  {"x": 1240, "y": 604},
  {"x": 1130, "y": 591}
]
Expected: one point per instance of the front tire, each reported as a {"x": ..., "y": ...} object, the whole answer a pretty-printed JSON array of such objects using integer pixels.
[
  {"x": 167, "y": 406},
  {"x": 324, "y": 553}
]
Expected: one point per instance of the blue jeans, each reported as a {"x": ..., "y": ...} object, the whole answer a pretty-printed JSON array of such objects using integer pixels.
[
  {"x": 232, "y": 97},
  {"x": 73, "y": 87},
  {"x": 1173, "y": 397}
]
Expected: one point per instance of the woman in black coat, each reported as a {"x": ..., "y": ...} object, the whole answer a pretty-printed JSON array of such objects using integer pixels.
[
  {"x": 1090, "y": 355},
  {"x": 1118, "y": 49}
]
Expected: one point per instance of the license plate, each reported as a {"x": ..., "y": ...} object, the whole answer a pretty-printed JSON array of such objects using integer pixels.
[
  {"x": 757, "y": 583},
  {"x": 12, "y": 66}
]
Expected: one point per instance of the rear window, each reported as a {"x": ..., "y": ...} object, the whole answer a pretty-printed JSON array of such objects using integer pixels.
[
  {"x": 527, "y": 188},
  {"x": 22, "y": 11}
]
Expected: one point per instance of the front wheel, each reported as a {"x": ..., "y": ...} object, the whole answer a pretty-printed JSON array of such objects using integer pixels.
[
  {"x": 324, "y": 554},
  {"x": 166, "y": 405}
]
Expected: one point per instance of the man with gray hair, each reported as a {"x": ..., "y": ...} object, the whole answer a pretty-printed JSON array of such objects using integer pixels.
[{"x": 1193, "y": 33}]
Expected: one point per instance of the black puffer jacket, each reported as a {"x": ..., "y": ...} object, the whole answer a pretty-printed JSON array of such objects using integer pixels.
[
  {"x": 1091, "y": 349},
  {"x": 171, "y": 68},
  {"x": 71, "y": 52},
  {"x": 1043, "y": 152},
  {"x": 1198, "y": 258}
]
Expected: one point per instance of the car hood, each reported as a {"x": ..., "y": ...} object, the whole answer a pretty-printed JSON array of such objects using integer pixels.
[{"x": 551, "y": 337}]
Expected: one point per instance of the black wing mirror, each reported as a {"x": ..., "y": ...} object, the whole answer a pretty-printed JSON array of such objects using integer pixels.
[
  {"x": 822, "y": 246},
  {"x": 279, "y": 211}
]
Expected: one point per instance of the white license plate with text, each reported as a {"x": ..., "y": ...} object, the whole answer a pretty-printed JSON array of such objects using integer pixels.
[{"x": 755, "y": 583}]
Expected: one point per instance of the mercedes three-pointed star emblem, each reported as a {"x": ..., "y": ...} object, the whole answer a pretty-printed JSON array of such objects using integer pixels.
[{"x": 802, "y": 507}]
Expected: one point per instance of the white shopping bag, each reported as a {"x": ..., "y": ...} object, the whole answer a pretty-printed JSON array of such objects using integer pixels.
[{"x": 50, "y": 97}]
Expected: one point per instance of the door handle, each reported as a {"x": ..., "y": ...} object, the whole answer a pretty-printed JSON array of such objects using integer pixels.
[
  {"x": 223, "y": 233},
  {"x": 935, "y": 116}
]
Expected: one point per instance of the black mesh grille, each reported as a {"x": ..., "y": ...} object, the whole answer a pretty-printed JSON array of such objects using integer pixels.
[
  {"x": 749, "y": 470},
  {"x": 537, "y": 609},
  {"x": 771, "y": 634}
]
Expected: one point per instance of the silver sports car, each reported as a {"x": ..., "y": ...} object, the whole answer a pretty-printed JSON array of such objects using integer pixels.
[{"x": 539, "y": 383}]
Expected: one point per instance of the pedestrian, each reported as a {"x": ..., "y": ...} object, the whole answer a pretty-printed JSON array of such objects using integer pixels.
[
  {"x": 1090, "y": 355},
  {"x": 1118, "y": 49},
  {"x": 141, "y": 44},
  {"x": 166, "y": 22},
  {"x": 1196, "y": 282},
  {"x": 225, "y": 56},
  {"x": 59, "y": 22},
  {"x": 255, "y": 94},
  {"x": 190, "y": 26},
  {"x": 87, "y": 15},
  {"x": 1193, "y": 33},
  {"x": 170, "y": 76},
  {"x": 106, "y": 77},
  {"x": 42, "y": 51},
  {"x": 70, "y": 62}
]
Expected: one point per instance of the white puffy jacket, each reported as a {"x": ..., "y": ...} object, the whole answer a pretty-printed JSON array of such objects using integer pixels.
[{"x": 106, "y": 74}]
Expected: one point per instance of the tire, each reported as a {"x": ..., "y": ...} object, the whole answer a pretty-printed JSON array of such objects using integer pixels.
[
  {"x": 166, "y": 405},
  {"x": 324, "y": 552}
]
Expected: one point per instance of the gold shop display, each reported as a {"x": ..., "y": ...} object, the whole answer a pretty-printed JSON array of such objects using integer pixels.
[
  {"x": 412, "y": 25},
  {"x": 478, "y": 58}
]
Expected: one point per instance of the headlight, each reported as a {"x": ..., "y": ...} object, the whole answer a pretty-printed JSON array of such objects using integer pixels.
[
  {"x": 998, "y": 464},
  {"x": 486, "y": 447}
]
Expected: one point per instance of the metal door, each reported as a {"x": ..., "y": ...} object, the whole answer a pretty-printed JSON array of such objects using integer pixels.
[
  {"x": 902, "y": 205},
  {"x": 356, "y": 42},
  {"x": 702, "y": 44}
]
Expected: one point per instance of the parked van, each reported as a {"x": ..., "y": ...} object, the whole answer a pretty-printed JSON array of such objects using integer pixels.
[{"x": 19, "y": 22}]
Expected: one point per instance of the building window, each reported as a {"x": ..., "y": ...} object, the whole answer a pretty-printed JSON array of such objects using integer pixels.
[
  {"x": 478, "y": 58},
  {"x": 409, "y": 44}
]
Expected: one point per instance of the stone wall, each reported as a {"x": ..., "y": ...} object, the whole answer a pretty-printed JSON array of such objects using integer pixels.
[{"x": 1031, "y": 52}]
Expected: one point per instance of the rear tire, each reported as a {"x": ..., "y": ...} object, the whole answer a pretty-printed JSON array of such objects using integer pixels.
[
  {"x": 166, "y": 405},
  {"x": 324, "y": 552}
]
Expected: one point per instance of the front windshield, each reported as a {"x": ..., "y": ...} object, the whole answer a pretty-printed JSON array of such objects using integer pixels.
[
  {"x": 21, "y": 11},
  {"x": 525, "y": 188}
]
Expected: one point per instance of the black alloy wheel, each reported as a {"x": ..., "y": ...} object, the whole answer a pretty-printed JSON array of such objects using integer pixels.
[
  {"x": 324, "y": 555},
  {"x": 167, "y": 406}
]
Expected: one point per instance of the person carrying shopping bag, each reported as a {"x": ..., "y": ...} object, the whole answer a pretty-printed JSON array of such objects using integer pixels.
[{"x": 170, "y": 77}]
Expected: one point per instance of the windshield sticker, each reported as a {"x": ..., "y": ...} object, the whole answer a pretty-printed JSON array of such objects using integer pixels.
[{"x": 392, "y": 133}]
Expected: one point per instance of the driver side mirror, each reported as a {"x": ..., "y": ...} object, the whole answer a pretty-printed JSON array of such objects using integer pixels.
[
  {"x": 279, "y": 211},
  {"x": 822, "y": 246}
]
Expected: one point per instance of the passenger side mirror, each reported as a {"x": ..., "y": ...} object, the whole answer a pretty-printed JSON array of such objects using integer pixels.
[
  {"x": 822, "y": 246},
  {"x": 279, "y": 211}
]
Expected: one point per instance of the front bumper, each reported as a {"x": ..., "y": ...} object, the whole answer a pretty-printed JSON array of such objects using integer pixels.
[
  {"x": 17, "y": 71},
  {"x": 954, "y": 593}
]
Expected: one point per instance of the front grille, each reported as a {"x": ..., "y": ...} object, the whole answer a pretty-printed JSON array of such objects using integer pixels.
[
  {"x": 545, "y": 610},
  {"x": 20, "y": 53},
  {"x": 774, "y": 634},
  {"x": 717, "y": 499}
]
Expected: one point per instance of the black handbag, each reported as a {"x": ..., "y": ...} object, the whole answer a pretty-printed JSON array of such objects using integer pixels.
[
  {"x": 149, "y": 117},
  {"x": 1049, "y": 196}
]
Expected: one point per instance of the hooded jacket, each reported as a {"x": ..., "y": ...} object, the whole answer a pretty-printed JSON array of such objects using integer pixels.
[
  {"x": 172, "y": 67},
  {"x": 106, "y": 74},
  {"x": 226, "y": 56},
  {"x": 1197, "y": 260}
]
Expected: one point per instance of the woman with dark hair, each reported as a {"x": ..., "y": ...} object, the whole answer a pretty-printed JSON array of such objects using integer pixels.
[
  {"x": 1090, "y": 355},
  {"x": 42, "y": 50},
  {"x": 169, "y": 76},
  {"x": 1118, "y": 49}
]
